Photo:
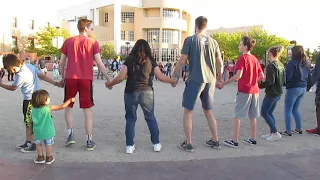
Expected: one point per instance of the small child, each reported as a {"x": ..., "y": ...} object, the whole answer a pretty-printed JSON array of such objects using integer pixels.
[{"x": 42, "y": 123}]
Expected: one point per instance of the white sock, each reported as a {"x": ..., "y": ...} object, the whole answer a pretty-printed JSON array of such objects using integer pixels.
[
  {"x": 89, "y": 137},
  {"x": 70, "y": 131}
]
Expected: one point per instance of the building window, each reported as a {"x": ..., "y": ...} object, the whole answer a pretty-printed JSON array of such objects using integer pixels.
[
  {"x": 106, "y": 17},
  {"x": 155, "y": 53},
  {"x": 151, "y": 34},
  {"x": 123, "y": 35},
  {"x": 171, "y": 13},
  {"x": 127, "y": 17},
  {"x": 31, "y": 25},
  {"x": 170, "y": 36},
  {"x": 14, "y": 22},
  {"x": 14, "y": 41},
  {"x": 31, "y": 42},
  {"x": 131, "y": 35},
  {"x": 169, "y": 54}
]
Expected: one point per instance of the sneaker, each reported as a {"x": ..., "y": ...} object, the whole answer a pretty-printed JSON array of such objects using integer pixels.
[
  {"x": 31, "y": 148},
  {"x": 250, "y": 141},
  {"x": 297, "y": 131},
  {"x": 157, "y": 147},
  {"x": 70, "y": 140},
  {"x": 39, "y": 160},
  {"x": 130, "y": 149},
  {"x": 274, "y": 137},
  {"x": 231, "y": 143},
  {"x": 214, "y": 145},
  {"x": 266, "y": 136},
  {"x": 315, "y": 131},
  {"x": 285, "y": 133},
  {"x": 50, "y": 160},
  {"x": 26, "y": 144},
  {"x": 186, "y": 147},
  {"x": 91, "y": 145}
]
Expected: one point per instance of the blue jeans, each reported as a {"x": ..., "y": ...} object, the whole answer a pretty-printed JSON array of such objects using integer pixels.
[
  {"x": 267, "y": 108},
  {"x": 146, "y": 101},
  {"x": 292, "y": 103}
]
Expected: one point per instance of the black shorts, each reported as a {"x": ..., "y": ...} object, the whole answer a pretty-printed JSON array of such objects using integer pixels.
[{"x": 27, "y": 112}]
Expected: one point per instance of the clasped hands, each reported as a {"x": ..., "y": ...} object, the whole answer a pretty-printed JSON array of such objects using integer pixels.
[{"x": 220, "y": 84}]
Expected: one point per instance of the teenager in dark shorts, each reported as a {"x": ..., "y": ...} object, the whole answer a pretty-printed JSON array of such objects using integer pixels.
[
  {"x": 205, "y": 69},
  {"x": 316, "y": 80},
  {"x": 27, "y": 79},
  {"x": 81, "y": 51}
]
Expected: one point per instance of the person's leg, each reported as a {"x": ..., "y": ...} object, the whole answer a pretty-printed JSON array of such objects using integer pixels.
[
  {"x": 49, "y": 157},
  {"x": 27, "y": 110},
  {"x": 8, "y": 75},
  {"x": 86, "y": 103},
  {"x": 98, "y": 73},
  {"x": 253, "y": 115},
  {"x": 289, "y": 101},
  {"x": 131, "y": 105},
  {"x": 40, "y": 157},
  {"x": 146, "y": 101},
  {"x": 317, "y": 103},
  {"x": 295, "y": 109},
  {"x": 265, "y": 111},
  {"x": 70, "y": 91}
]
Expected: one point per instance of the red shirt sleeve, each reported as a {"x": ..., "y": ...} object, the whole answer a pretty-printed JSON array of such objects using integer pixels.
[
  {"x": 240, "y": 64},
  {"x": 96, "y": 48},
  {"x": 64, "y": 48}
]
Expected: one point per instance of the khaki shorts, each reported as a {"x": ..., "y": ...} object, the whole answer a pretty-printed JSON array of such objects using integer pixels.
[{"x": 247, "y": 106}]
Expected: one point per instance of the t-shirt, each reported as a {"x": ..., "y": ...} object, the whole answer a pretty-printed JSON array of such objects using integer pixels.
[
  {"x": 251, "y": 69},
  {"x": 27, "y": 79},
  {"x": 115, "y": 65},
  {"x": 55, "y": 66},
  {"x": 42, "y": 63},
  {"x": 231, "y": 67},
  {"x": 202, "y": 51},
  {"x": 139, "y": 75},
  {"x": 43, "y": 127},
  {"x": 80, "y": 51},
  {"x": 169, "y": 66}
]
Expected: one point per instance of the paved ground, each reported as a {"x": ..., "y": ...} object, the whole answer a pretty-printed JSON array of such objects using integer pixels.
[{"x": 268, "y": 158}]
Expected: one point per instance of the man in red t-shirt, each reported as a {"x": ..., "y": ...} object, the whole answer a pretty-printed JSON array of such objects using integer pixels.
[
  {"x": 249, "y": 73},
  {"x": 77, "y": 74}
]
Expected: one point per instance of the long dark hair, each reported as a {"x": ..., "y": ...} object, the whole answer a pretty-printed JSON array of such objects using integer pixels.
[
  {"x": 141, "y": 51},
  {"x": 299, "y": 54}
]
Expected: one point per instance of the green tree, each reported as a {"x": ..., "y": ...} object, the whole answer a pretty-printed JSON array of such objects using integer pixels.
[
  {"x": 108, "y": 52},
  {"x": 315, "y": 55},
  {"x": 44, "y": 39}
]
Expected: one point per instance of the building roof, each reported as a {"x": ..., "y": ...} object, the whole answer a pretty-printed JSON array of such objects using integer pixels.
[{"x": 234, "y": 29}]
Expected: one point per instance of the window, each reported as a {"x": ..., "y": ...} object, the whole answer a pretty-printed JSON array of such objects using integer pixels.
[
  {"x": 171, "y": 13},
  {"x": 155, "y": 53},
  {"x": 15, "y": 23},
  {"x": 31, "y": 25},
  {"x": 14, "y": 41},
  {"x": 31, "y": 42},
  {"x": 127, "y": 17},
  {"x": 169, "y": 54},
  {"x": 170, "y": 36},
  {"x": 131, "y": 35},
  {"x": 151, "y": 34},
  {"x": 106, "y": 17},
  {"x": 123, "y": 35}
]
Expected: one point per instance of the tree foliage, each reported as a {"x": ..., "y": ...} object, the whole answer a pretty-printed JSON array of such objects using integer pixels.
[
  {"x": 229, "y": 43},
  {"x": 44, "y": 39},
  {"x": 108, "y": 52}
]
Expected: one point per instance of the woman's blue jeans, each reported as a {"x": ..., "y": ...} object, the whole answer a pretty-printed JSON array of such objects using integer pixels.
[
  {"x": 146, "y": 101},
  {"x": 267, "y": 108},
  {"x": 293, "y": 99}
]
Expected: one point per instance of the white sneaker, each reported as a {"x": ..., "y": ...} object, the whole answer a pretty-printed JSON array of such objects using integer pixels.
[
  {"x": 130, "y": 149},
  {"x": 266, "y": 136},
  {"x": 157, "y": 147},
  {"x": 274, "y": 137}
]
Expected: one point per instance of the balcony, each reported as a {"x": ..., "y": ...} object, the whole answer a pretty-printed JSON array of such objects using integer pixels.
[{"x": 166, "y": 23}]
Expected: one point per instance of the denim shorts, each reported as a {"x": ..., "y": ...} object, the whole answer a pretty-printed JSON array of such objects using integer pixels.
[
  {"x": 194, "y": 90},
  {"x": 47, "y": 142}
]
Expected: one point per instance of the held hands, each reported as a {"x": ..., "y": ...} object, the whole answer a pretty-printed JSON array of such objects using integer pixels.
[
  {"x": 220, "y": 85},
  {"x": 108, "y": 85},
  {"x": 60, "y": 84},
  {"x": 73, "y": 99},
  {"x": 174, "y": 82}
]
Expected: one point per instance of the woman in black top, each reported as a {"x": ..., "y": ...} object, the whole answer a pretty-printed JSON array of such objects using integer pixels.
[{"x": 139, "y": 68}]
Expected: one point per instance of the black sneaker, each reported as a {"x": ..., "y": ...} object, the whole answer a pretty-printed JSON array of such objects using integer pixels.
[
  {"x": 26, "y": 144},
  {"x": 285, "y": 133},
  {"x": 31, "y": 148},
  {"x": 186, "y": 147},
  {"x": 214, "y": 145},
  {"x": 297, "y": 131},
  {"x": 250, "y": 141},
  {"x": 231, "y": 143}
]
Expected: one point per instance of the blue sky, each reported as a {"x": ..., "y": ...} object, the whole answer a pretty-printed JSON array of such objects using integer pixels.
[{"x": 289, "y": 19}]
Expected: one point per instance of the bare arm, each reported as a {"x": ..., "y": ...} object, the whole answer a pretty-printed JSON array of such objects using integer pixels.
[
  {"x": 8, "y": 87},
  {"x": 122, "y": 75},
  {"x": 234, "y": 78},
  {"x": 62, "y": 65},
  {"x": 62, "y": 106},
  {"x": 48, "y": 79},
  {"x": 182, "y": 61},
  {"x": 219, "y": 64},
  {"x": 162, "y": 77},
  {"x": 101, "y": 66}
]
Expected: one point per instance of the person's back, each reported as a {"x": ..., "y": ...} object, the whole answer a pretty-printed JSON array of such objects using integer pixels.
[
  {"x": 296, "y": 74},
  {"x": 80, "y": 51},
  {"x": 27, "y": 79},
  {"x": 42, "y": 63},
  {"x": 251, "y": 68},
  {"x": 203, "y": 51},
  {"x": 42, "y": 123}
]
